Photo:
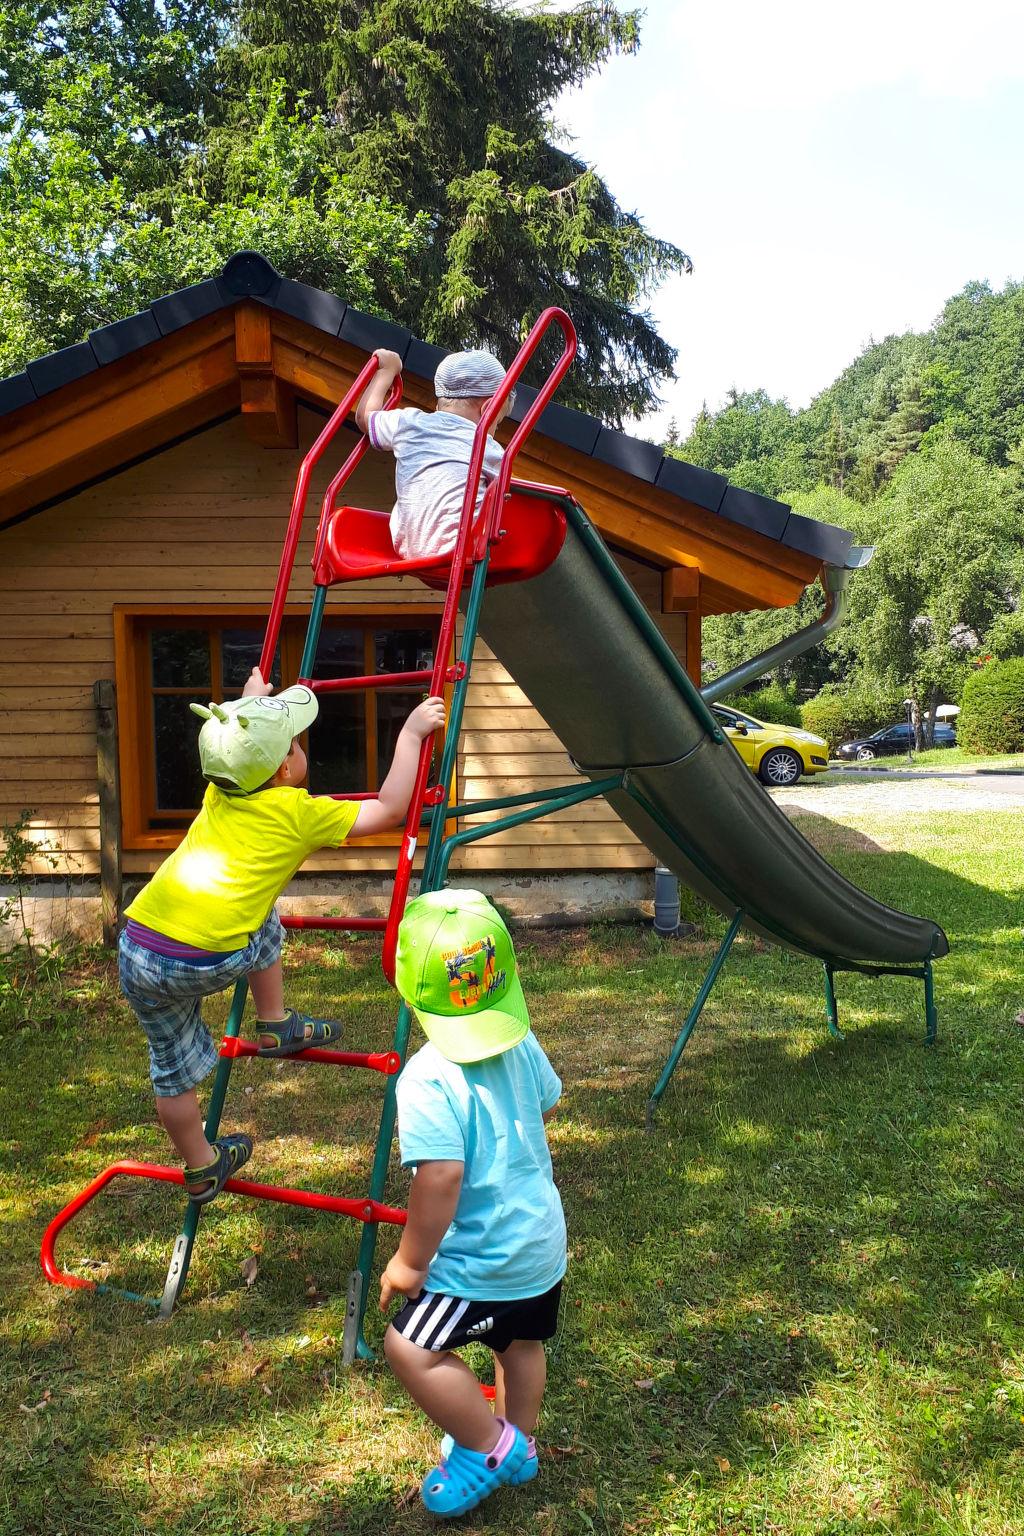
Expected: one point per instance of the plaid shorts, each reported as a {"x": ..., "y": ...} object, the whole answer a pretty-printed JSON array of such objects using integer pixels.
[{"x": 166, "y": 996}]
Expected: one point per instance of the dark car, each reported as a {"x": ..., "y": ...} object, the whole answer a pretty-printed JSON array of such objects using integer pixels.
[{"x": 891, "y": 741}]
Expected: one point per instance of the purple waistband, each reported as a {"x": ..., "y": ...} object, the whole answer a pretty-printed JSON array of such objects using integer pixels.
[{"x": 160, "y": 944}]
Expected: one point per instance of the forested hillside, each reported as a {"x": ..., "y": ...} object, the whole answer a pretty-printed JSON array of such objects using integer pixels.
[{"x": 918, "y": 447}]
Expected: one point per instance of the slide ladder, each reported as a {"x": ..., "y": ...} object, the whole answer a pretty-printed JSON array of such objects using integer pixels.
[{"x": 353, "y": 544}]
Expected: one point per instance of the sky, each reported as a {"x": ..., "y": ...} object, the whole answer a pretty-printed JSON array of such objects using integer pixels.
[{"x": 835, "y": 171}]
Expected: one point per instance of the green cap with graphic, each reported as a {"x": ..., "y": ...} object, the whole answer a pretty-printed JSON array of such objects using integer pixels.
[
  {"x": 456, "y": 968},
  {"x": 245, "y": 741}
]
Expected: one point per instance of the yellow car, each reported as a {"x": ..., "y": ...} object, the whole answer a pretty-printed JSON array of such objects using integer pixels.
[{"x": 778, "y": 754}]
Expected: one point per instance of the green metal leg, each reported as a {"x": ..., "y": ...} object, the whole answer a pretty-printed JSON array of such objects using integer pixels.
[
  {"x": 181, "y": 1254},
  {"x": 692, "y": 1017},
  {"x": 831, "y": 1006},
  {"x": 316, "y": 618},
  {"x": 354, "y": 1345},
  {"x": 931, "y": 1017}
]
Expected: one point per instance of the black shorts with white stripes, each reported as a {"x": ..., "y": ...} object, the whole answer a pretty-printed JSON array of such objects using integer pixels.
[{"x": 438, "y": 1322}]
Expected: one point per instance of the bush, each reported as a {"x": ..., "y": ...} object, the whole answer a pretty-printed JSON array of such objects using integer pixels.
[
  {"x": 776, "y": 703},
  {"x": 843, "y": 714},
  {"x": 992, "y": 709}
]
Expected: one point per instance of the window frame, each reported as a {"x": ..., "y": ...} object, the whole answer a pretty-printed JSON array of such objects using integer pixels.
[{"x": 132, "y": 625}]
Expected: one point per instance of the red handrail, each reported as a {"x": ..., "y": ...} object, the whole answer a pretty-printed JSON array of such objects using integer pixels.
[
  {"x": 298, "y": 509},
  {"x": 526, "y": 426},
  {"x": 462, "y": 557},
  {"x": 361, "y": 1210}
]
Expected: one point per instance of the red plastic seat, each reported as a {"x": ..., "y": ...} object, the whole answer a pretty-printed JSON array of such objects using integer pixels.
[{"x": 357, "y": 544}]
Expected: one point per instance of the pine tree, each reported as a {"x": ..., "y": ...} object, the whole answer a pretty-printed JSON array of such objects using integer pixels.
[
  {"x": 836, "y": 452},
  {"x": 445, "y": 107}
]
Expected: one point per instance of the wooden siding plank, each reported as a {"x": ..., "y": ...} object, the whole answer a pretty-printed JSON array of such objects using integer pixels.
[{"x": 216, "y": 508}]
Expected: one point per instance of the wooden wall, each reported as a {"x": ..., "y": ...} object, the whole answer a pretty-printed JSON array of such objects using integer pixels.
[{"x": 202, "y": 523}]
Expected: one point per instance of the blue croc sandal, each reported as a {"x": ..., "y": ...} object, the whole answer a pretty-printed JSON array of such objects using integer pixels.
[
  {"x": 527, "y": 1472},
  {"x": 290, "y": 1034},
  {"x": 465, "y": 1478}
]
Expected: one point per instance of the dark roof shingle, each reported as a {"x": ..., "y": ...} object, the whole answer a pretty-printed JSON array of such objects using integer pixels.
[{"x": 248, "y": 275}]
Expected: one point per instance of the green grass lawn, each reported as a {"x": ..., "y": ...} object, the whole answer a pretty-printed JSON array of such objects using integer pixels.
[
  {"x": 796, "y": 1308},
  {"x": 950, "y": 757}
]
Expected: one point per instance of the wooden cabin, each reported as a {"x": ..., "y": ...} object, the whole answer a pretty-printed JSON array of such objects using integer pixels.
[{"x": 145, "y": 480}]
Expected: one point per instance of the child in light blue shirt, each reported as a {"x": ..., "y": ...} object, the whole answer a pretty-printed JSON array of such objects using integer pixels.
[{"x": 483, "y": 1252}]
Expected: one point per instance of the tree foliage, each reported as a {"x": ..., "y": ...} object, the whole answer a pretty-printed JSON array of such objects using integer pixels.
[
  {"x": 83, "y": 248},
  {"x": 992, "y": 716},
  {"x": 918, "y": 449},
  {"x": 399, "y": 152},
  {"x": 945, "y": 544},
  {"x": 445, "y": 105}
]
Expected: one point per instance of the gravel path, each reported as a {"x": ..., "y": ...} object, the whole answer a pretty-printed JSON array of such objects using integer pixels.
[{"x": 842, "y": 795}]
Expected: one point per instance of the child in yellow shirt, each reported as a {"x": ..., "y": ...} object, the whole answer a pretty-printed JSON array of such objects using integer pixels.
[{"x": 207, "y": 917}]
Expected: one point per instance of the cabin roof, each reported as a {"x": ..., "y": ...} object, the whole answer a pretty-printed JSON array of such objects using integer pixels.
[{"x": 248, "y": 276}]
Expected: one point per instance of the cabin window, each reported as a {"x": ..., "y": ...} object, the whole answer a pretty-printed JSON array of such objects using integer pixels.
[{"x": 168, "y": 661}]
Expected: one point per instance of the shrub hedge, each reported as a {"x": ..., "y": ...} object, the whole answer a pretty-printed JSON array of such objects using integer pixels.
[
  {"x": 775, "y": 703},
  {"x": 992, "y": 709},
  {"x": 843, "y": 714}
]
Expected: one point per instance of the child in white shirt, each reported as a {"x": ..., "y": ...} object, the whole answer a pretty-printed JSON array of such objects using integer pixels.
[{"x": 432, "y": 448}]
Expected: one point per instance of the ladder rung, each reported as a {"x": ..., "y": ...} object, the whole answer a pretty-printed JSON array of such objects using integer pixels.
[
  {"x": 453, "y": 674},
  {"x": 432, "y": 795},
  {"x": 387, "y": 1062},
  {"x": 356, "y": 924}
]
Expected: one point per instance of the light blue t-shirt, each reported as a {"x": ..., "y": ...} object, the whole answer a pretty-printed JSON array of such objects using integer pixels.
[{"x": 507, "y": 1240}]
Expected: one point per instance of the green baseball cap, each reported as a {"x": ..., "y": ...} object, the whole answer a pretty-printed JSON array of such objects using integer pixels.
[
  {"x": 245, "y": 741},
  {"x": 456, "y": 968}
]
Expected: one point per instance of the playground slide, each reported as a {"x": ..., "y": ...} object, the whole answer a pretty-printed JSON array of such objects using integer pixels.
[{"x": 582, "y": 647}]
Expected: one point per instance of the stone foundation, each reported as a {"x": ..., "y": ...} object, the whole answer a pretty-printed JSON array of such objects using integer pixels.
[{"x": 57, "y": 911}]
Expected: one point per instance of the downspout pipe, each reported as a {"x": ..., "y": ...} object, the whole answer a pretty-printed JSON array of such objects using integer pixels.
[{"x": 836, "y": 580}]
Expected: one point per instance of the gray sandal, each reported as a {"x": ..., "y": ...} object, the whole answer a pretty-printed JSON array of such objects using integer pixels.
[
  {"x": 203, "y": 1184},
  {"x": 290, "y": 1034}
]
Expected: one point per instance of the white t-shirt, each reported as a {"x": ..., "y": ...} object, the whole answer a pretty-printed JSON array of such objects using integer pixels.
[{"x": 432, "y": 450}]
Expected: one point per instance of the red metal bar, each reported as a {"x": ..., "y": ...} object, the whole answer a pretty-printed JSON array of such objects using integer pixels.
[
  {"x": 361, "y": 1210},
  {"x": 294, "y": 531},
  {"x": 386, "y": 680},
  {"x": 551, "y": 316},
  {"x": 355, "y": 924},
  {"x": 341, "y": 478},
  {"x": 388, "y": 1062},
  {"x": 467, "y": 552}
]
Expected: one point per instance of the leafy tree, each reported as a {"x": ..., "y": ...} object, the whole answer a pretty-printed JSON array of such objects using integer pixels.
[
  {"x": 82, "y": 247},
  {"x": 751, "y": 440},
  {"x": 134, "y": 80},
  {"x": 445, "y": 106},
  {"x": 945, "y": 546},
  {"x": 729, "y": 639}
]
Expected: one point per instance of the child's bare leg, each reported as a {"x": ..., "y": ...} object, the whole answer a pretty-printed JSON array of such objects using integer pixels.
[
  {"x": 519, "y": 1377},
  {"x": 267, "y": 988},
  {"x": 181, "y": 1118},
  {"x": 447, "y": 1391}
]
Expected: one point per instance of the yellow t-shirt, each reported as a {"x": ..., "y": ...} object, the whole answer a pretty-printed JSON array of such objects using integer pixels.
[{"x": 218, "y": 886}]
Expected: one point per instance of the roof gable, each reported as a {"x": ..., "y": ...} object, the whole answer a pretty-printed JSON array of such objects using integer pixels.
[{"x": 209, "y": 365}]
